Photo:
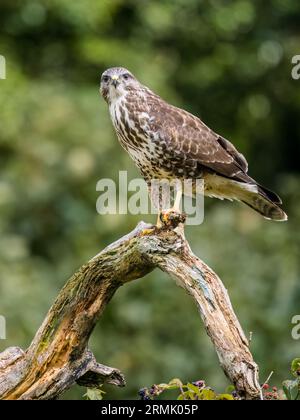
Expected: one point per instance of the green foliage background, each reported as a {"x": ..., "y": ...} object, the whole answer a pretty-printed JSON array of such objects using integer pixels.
[{"x": 226, "y": 61}]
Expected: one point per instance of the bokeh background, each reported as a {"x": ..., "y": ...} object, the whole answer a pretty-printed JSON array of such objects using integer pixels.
[{"x": 226, "y": 61}]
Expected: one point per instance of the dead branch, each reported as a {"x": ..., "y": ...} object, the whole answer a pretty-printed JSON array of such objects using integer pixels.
[{"x": 58, "y": 356}]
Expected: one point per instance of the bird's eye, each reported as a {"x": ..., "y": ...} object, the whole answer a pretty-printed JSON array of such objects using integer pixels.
[
  {"x": 126, "y": 76},
  {"x": 105, "y": 79}
]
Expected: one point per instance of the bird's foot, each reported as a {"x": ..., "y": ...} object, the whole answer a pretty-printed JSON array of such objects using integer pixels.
[
  {"x": 148, "y": 231},
  {"x": 171, "y": 218},
  {"x": 167, "y": 219}
]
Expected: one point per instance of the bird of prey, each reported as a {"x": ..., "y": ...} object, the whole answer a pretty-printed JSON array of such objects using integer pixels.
[{"x": 167, "y": 142}]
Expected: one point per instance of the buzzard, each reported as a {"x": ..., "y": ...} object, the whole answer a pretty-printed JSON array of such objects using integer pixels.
[{"x": 167, "y": 142}]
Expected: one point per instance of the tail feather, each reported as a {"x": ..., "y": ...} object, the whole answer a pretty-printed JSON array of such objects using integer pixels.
[
  {"x": 262, "y": 200},
  {"x": 262, "y": 203},
  {"x": 259, "y": 198},
  {"x": 270, "y": 195}
]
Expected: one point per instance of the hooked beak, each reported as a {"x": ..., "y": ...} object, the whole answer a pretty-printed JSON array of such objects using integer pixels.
[{"x": 115, "y": 81}]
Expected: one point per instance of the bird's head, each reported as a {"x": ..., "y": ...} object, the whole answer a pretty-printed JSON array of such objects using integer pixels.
[{"x": 116, "y": 82}]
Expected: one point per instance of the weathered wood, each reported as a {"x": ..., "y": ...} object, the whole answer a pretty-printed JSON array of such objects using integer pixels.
[{"x": 58, "y": 355}]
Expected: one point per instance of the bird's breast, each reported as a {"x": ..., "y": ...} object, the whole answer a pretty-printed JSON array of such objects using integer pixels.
[
  {"x": 134, "y": 133},
  {"x": 134, "y": 128}
]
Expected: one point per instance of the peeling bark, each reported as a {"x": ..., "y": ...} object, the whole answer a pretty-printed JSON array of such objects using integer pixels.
[{"x": 58, "y": 356}]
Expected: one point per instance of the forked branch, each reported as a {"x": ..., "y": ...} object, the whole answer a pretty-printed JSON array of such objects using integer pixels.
[{"x": 58, "y": 355}]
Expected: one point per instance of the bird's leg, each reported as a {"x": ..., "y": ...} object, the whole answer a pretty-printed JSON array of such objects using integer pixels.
[
  {"x": 168, "y": 216},
  {"x": 155, "y": 198},
  {"x": 160, "y": 196},
  {"x": 159, "y": 223},
  {"x": 176, "y": 206}
]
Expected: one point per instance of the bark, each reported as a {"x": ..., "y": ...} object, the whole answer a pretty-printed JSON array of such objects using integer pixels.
[{"x": 58, "y": 356}]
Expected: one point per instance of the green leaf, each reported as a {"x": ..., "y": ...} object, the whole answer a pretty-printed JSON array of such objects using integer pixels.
[
  {"x": 207, "y": 394},
  {"x": 193, "y": 388},
  {"x": 295, "y": 368},
  {"x": 230, "y": 389},
  {"x": 94, "y": 394},
  {"x": 291, "y": 389},
  {"x": 191, "y": 395},
  {"x": 183, "y": 396},
  {"x": 175, "y": 384},
  {"x": 163, "y": 387},
  {"x": 227, "y": 397}
]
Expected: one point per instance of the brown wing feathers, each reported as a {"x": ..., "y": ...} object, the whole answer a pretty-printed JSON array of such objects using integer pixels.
[{"x": 212, "y": 151}]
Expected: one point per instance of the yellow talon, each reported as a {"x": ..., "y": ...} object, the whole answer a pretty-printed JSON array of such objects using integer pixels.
[
  {"x": 172, "y": 217},
  {"x": 146, "y": 232},
  {"x": 165, "y": 217}
]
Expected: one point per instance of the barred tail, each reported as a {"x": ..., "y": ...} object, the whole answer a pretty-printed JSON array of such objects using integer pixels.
[
  {"x": 266, "y": 203},
  {"x": 259, "y": 198}
]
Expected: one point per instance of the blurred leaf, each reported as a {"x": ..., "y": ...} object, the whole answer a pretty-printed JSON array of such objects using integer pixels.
[
  {"x": 230, "y": 389},
  {"x": 207, "y": 394},
  {"x": 175, "y": 384},
  {"x": 295, "y": 368},
  {"x": 292, "y": 389},
  {"x": 94, "y": 394},
  {"x": 225, "y": 397},
  {"x": 193, "y": 388}
]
